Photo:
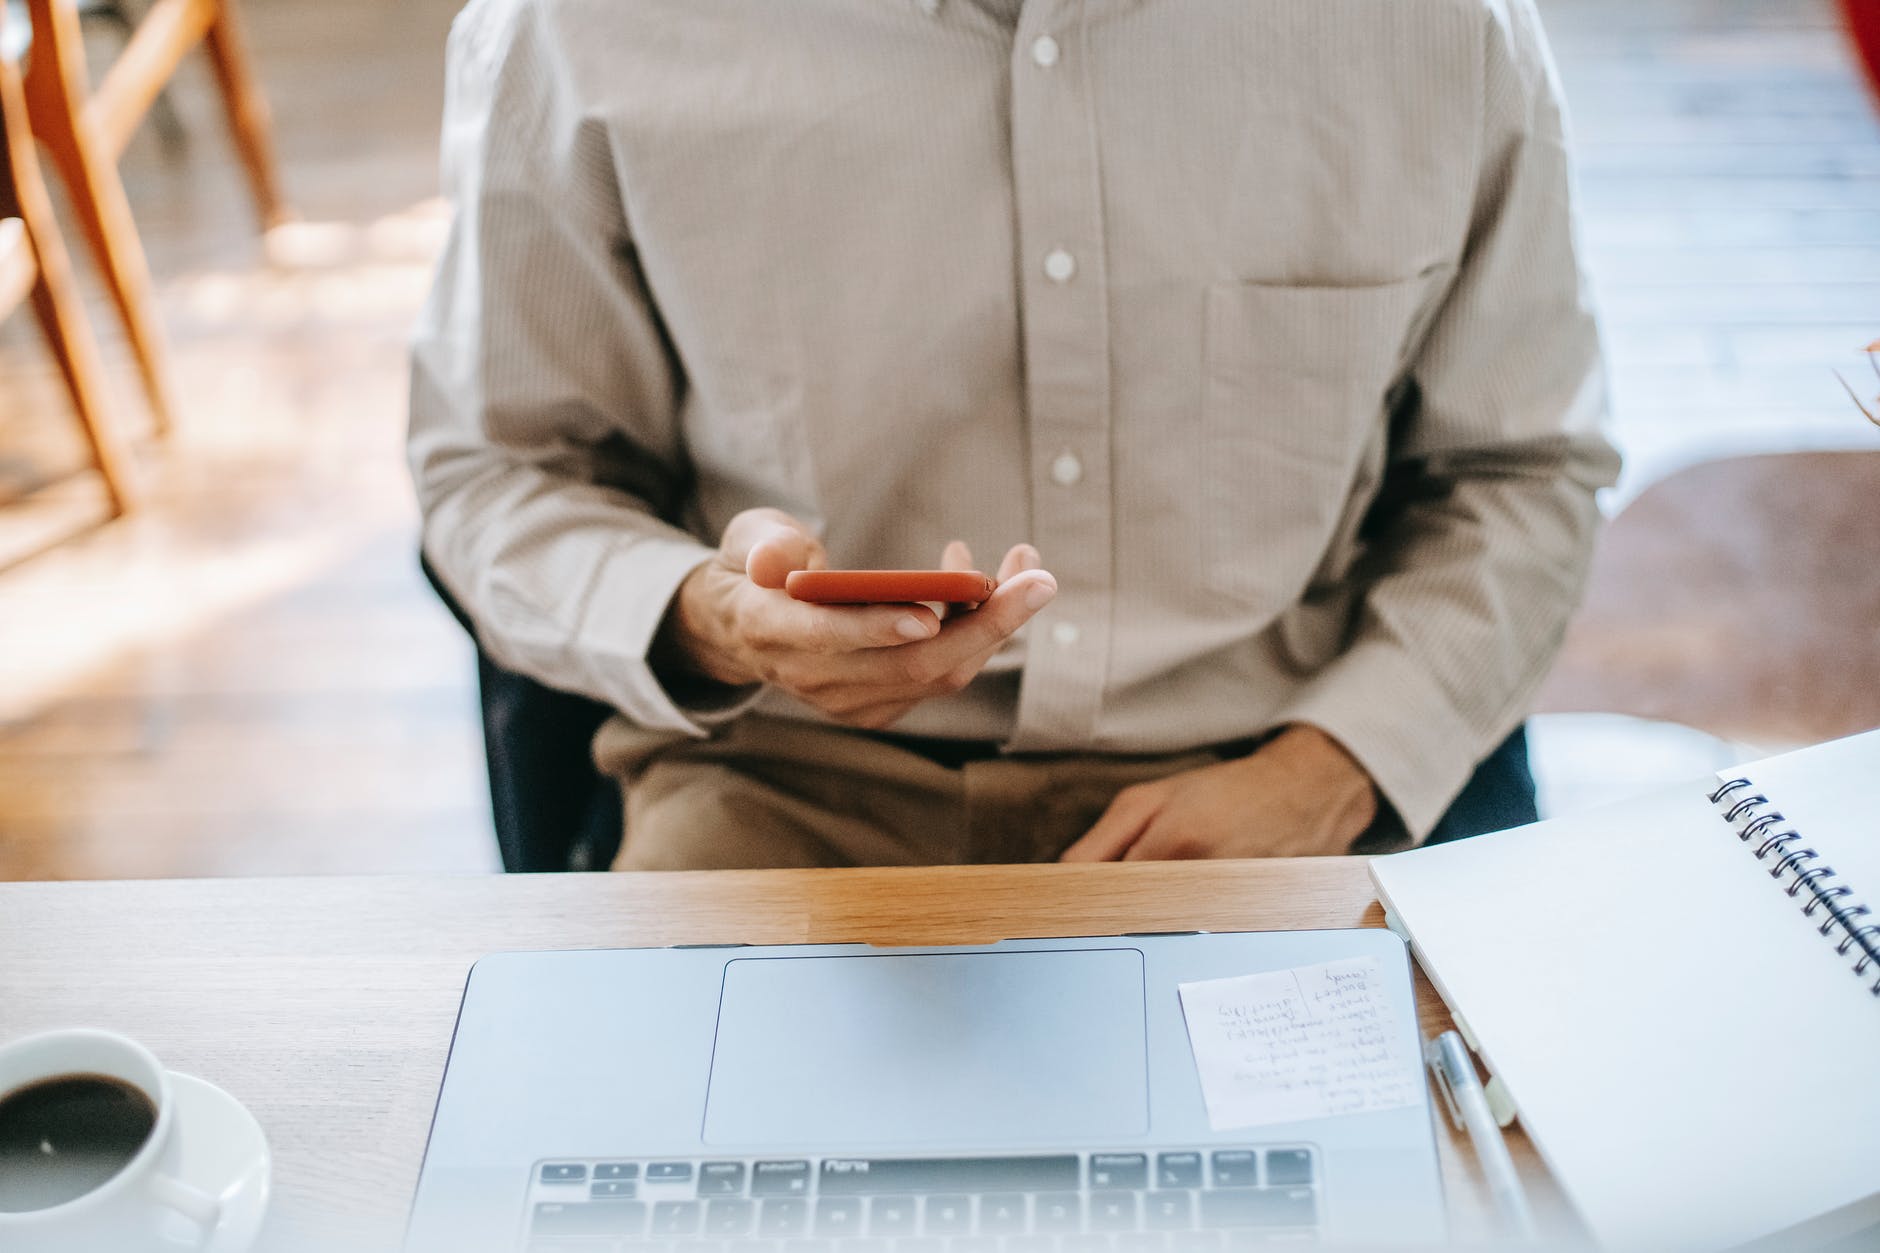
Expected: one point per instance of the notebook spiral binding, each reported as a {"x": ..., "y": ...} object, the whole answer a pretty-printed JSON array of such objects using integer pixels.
[{"x": 1760, "y": 826}]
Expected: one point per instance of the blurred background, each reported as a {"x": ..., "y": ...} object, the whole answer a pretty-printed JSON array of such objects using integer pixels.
[{"x": 246, "y": 673}]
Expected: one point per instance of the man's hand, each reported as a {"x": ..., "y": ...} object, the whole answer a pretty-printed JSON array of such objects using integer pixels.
[
  {"x": 1300, "y": 795},
  {"x": 865, "y": 665}
]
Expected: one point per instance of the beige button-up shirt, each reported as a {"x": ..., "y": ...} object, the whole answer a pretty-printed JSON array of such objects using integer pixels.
[{"x": 1261, "y": 319}]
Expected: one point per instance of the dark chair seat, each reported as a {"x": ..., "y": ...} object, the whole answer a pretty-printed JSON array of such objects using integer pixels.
[{"x": 553, "y": 810}]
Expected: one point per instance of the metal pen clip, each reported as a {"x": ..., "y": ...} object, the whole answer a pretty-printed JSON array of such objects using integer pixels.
[
  {"x": 1468, "y": 1105},
  {"x": 1433, "y": 1058}
]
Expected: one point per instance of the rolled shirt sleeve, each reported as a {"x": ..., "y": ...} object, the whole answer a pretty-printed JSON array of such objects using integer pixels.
[
  {"x": 544, "y": 394},
  {"x": 1482, "y": 539}
]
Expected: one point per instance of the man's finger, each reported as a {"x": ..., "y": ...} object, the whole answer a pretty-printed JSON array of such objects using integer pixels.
[
  {"x": 969, "y": 669},
  {"x": 840, "y": 630},
  {"x": 781, "y": 548},
  {"x": 955, "y": 556},
  {"x": 921, "y": 669},
  {"x": 879, "y": 717},
  {"x": 745, "y": 529},
  {"x": 1120, "y": 827},
  {"x": 1010, "y": 607},
  {"x": 1159, "y": 842},
  {"x": 767, "y": 544},
  {"x": 1019, "y": 558}
]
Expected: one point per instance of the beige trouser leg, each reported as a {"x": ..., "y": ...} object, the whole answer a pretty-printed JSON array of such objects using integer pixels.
[{"x": 770, "y": 792}]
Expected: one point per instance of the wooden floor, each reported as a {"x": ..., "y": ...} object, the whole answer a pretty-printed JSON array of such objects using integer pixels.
[{"x": 250, "y": 677}]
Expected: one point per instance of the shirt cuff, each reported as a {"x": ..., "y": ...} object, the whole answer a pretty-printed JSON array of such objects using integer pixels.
[
  {"x": 1417, "y": 748},
  {"x": 630, "y": 597}
]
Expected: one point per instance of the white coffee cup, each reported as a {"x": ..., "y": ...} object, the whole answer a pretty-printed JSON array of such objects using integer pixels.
[{"x": 130, "y": 1210}]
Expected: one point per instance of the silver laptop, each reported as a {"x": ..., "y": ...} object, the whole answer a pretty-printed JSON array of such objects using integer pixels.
[{"x": 1034, "y": 1096}]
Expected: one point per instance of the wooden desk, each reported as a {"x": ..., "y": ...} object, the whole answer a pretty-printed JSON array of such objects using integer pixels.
[{"x": 326, "y": 1005}]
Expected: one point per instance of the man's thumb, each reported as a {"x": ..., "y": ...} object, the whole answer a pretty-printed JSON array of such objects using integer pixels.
[{"x": 768, "y": 544}]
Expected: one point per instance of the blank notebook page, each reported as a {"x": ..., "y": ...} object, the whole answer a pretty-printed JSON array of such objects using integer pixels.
[{"x": 1689, "y": 1056}]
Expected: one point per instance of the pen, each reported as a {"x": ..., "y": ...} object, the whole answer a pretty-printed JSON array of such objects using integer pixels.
[{"x": 1462, "y": 1091}]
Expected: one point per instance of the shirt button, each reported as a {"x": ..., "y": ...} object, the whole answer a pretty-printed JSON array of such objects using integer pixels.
[
  {"x": 1044, "y": 51},
  {"x": 1067, "y": 470},
  {"x": 1064, "y": 634},
  {"x": 1059, "y": 265}
]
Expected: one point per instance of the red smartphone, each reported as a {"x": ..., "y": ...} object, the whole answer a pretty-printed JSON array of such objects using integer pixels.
[{"x": 889, "y": 587}]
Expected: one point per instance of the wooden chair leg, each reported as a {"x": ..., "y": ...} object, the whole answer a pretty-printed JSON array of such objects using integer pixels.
[
  {"x": 55, "y": 93},
  {"x": 55, "y": 296},
  {"x": 105, "y": 217},
  {"x": 248, "y": 115},
  {"x": 62, "y": 318}
]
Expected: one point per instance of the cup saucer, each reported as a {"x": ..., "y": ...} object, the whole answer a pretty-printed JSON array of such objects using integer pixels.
[{"x": 221, "y": 1150}]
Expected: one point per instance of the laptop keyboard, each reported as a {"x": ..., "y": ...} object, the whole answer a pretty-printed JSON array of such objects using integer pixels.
[{"x": 1213, "y": 1200}]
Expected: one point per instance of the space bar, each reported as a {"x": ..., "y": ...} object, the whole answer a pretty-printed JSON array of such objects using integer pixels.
[{"x": 864, "y": 1176}]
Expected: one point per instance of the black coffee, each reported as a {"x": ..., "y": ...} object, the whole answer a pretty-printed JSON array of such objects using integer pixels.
[{"x": 60, "y": 1138}]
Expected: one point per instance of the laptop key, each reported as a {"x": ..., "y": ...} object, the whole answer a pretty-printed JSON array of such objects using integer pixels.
[
  {"x": 1003, "y": 1213},
  {"x": 973, "y": 1244},
  {"x": 564, "y": 1172},
  {"x": 891, "y": 1216},
  {"x": 1260, "y": 1240},
  {"x": 721, "y": 1179},
  {"x": 780, "y": 1179},
  {"x": 611, "y": 1189},
  {"x": 1057, "y": 1211},
  {"x": 1142, "y": 1242},
  {"x": 1195, "y": 1242},
  {"x": 668, "y": 1172},
  {"x": 1085, "y": 1242},
  {"x": 725, "y": 1216},
  {"x": 948, "y": 1216},
  {"x": 1178, "y": 1170},
  {"x": 698, "y": 1246},
  {"x": 1288, "y": 1166},
  {"x": 1113, "y": 1211},
  {"x": 617, "y": 1170},
  {"x": 1170, "y": 1209},
  {"x": 1260, "y": 1207},
  {"x": 675, "y": 1218},
  {"x": 838, "y": 1215},
  {"x": 1119, "y": 1170},
  {"x": 862, "y": 1246},
  {"x": 1030, "y": 1244},
  {"x": 920, "y": 1244},
  {"x": 1236, "y": 1168},
  {"x": 589, "y": 1218},
  {"x": 853, "y": 1176},
  {"x": 783, "y": 1216},
  {"x": 753, "y": 1246}
]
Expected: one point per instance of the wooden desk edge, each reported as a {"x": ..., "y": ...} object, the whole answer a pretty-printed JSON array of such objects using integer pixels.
[{"x": 231, "y": 932}]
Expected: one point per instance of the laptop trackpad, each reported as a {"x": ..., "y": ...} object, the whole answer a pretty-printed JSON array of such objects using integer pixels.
[{"x": 978, "y": 1048}]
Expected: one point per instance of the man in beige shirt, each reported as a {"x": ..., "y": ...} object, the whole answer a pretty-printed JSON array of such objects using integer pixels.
[{"x": 1250, "y": 331}]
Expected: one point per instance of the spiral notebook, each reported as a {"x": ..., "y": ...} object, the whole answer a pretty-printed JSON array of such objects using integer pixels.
[{"x": 1679, "y": 997}]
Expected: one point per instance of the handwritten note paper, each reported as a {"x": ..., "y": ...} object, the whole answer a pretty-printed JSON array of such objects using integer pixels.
[{"x": 1299, "y": 1044}]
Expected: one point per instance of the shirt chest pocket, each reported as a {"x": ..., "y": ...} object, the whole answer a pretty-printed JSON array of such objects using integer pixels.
[{"x": 1294, "y": 390}]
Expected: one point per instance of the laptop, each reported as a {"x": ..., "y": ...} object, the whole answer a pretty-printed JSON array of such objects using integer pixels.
[{"x": 1032, "y": 1096}]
